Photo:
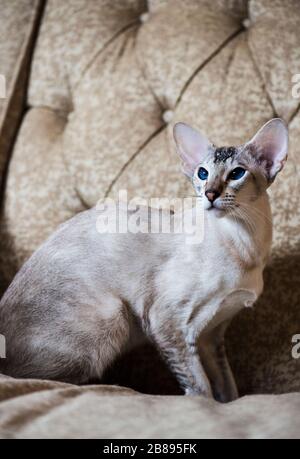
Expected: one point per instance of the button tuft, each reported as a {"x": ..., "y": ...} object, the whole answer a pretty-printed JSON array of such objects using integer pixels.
[
  {"x": 144, "y": 17},
  {"x": 247, "y": 23},
  {"x": 167, "y": 116}
]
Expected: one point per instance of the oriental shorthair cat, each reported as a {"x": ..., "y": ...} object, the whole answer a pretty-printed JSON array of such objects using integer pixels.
[{"x": 83, "y": 298}]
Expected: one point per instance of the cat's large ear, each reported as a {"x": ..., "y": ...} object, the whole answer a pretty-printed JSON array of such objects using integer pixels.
[
  {"x": 191, "y": 146},
  {"x": 270, "y": 147}
]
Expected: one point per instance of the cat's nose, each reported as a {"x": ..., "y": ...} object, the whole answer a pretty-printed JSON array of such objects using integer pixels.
[{"x": 212, "y": 195}]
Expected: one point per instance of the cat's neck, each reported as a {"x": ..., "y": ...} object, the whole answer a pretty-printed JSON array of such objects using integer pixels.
[{"x": 249, "y": 230}]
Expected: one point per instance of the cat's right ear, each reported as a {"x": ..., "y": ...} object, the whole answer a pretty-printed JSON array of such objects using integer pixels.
[{"x": 191, "y": 146}]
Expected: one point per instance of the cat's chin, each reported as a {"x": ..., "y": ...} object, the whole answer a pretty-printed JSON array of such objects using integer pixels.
[{"x": 217, "y": 211}]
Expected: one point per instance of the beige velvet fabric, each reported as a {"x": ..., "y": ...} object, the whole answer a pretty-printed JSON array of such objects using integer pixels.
[
  {"x": 44, "y": 409},
  {"x": 18, "y": 26},
  {"x": 103, "y": 75}
]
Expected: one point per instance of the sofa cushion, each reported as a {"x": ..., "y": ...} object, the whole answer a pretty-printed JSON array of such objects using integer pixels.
[
  {"x": 44, "y": 409},
  {"x": 18, "y": 26},
  {"x": 102, "y": 105}
]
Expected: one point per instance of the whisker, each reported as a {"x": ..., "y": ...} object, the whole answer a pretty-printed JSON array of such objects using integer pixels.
[
  {"x": 258, "y": 212},
  {"x": 245, "y": 218}
]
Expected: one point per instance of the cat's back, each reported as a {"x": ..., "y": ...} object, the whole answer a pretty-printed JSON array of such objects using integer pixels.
[
  {"x": 56, "y": 255},
  {"x": 95, "y": 248}
]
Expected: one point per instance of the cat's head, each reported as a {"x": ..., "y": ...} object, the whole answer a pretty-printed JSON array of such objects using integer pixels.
[{"x": 228, "y": 177}]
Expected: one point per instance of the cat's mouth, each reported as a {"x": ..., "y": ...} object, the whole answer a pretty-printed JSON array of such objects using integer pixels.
[
  {"x": 216, "y": 206},
  {"x": 219, "y": 207}
]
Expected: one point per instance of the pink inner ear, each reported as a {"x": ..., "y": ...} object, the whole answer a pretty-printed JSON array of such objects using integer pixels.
[
  {"x": 191, "y": 145},
  {"x": 271, "y": 145}
]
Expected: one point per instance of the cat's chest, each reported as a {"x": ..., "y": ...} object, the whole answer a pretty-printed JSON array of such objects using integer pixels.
[
  {"x": 215, "y": 292},
  {"x": 224, "y": 283},
  {"x": 207, "y": 277},
  {"x": 209, "y": 273},
  {"x": 224, "y": 265}
]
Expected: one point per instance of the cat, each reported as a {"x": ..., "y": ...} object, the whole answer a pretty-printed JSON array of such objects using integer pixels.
[{"x": 84, "y": 298}]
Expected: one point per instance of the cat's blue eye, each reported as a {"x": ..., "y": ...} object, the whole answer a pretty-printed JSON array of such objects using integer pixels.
[
  {"x": 237, "y": 173},
  {"x": 202, "y": 173}
]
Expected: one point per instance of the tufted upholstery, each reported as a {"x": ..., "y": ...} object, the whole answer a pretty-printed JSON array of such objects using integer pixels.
[
  {"x": 19, "y": 19},
  {"x": 103, "y": 76}
]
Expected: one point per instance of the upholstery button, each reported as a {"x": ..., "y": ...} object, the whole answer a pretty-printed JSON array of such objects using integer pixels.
[
  {"x": 167, "y": 116},
  {"x": 144, "y": 17},
  {"x": 247, "y": 23}
]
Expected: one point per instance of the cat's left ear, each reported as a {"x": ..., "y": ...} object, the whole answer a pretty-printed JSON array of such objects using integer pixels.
[
  {"x": 191, "y": 146},
  {"x": 270, "y": 147}
]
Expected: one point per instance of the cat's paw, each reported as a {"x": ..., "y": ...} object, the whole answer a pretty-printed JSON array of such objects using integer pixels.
[
  {"x": 223, "y": 397},
  {"x": 193, "y": 392}
]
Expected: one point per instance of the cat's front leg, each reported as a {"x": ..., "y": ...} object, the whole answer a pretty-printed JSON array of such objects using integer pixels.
[
  {"x": 181, "y": 354},
  {"x": 213, "y": 354}
]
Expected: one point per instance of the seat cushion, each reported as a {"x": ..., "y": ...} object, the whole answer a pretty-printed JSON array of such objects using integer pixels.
[
  {"x": 102, "y": 106},
  {"x": 44, "y": 409}
]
